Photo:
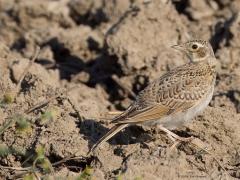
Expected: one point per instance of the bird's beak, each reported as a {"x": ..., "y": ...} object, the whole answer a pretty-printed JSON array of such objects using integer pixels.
[{"x": 178, "y": 47}]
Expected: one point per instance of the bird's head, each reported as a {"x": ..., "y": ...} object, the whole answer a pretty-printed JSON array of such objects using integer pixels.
[{"x": 196, "y": 50}]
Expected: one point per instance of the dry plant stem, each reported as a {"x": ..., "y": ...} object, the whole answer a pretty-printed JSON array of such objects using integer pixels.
[
  {"x": 71, "y": 157},
  {"x": 4, "y": 172},
  {"x": 34, "y": 164},
  {"x": 104, "y": 117},
  {"x": 28, "y": 158},
  {"x": 26, "y": 70},
  {"x": 40, "y": 104},
  {"x": 36, "y": 176},
  {"x": 125, "y": 88},
  {"x": 115, "y": 112},
  {"x": 45, "y": 102},
  {"x": 16, "y": 168},
  {"x": 8, "y": 124},
  {"x": 31, "y": 169},
  {"x": 18, "y": 175},
  {"x": 197, "y": 144},
  {"x": 80, "y": 117},
  {"x": 192, "y": 141},
  {"x": 21, "y": 174}
]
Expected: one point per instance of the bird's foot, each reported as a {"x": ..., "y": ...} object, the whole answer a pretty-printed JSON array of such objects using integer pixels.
[{"x": 175, "y": 138}]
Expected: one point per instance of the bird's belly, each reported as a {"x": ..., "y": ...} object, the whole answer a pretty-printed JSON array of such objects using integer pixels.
[{"x": 178, "y": 119}]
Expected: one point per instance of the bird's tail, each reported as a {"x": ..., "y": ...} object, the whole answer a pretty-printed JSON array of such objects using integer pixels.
[{"x": 114, "y": 130}]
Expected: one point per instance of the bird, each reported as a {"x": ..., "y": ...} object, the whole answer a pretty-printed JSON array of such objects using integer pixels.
[{"x": 176, "y": 97}]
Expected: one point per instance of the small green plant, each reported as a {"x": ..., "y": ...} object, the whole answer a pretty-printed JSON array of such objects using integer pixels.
[
  {"x": 4, "y": 150},
  {"x": 40, "y": 151},
  {"x": 23, "y": 126},
  {"x": 18, "y": 150},
  {"x": 45, "y": 117},
  {"x": 42, "y": 161},
  {"x": 29, "y": 176},
  {"x": 9, "y": 122},
  {"x": 50, "y": 115},
  {"x": 86, "y": 174},
  {"x": 119, "y": 177},
  {"x": 8, "y": 98},
  {"x": 45, "y": 165},
  {"x": 138, "y": 178}
]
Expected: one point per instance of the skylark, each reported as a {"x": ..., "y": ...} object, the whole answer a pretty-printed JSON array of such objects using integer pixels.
[{"x": 176, "y": 97}]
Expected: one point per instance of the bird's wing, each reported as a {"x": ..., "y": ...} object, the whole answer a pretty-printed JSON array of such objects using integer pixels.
[{"x": 174, "y": 92}]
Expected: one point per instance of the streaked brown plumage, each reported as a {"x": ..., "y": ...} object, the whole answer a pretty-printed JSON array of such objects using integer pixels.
[{"x": 174, "y": 98}]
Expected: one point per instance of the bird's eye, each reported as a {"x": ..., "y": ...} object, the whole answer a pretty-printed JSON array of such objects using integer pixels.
[{"x": 194, "y": 46}]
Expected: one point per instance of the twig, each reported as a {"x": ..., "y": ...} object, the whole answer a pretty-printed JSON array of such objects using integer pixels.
[
  {"x": 71, "y": 157},
  {"x": 16, "y": 168},
  {"x": 20, "y": 175},
  {"x": 125, "y": 88},
  {"x": 80, "y": 117},
  {"x": 8, "y": 124},
  {"x": 115, "y": 112},
  {"x": 198, "y": 143},
  {"x": 40, "y": 104},
  {"x": 27, "y": 69},
  {"x": 76, "y": 157},
  {"x": 4, "y": 171},
  {"x": 34, "y": 167},
  {"x": 45, "y": 102},
  {"x": 27, "y": 159}
]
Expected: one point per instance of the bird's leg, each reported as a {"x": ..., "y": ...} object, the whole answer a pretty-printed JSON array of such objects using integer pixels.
[{"x": 174, "y": 136}]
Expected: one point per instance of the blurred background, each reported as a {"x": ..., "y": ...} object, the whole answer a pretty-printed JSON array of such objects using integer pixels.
[{"x": 110, "y": 50}]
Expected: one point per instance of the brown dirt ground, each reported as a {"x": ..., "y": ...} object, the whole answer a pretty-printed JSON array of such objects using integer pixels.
[{"x": 110, "y": 50}]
